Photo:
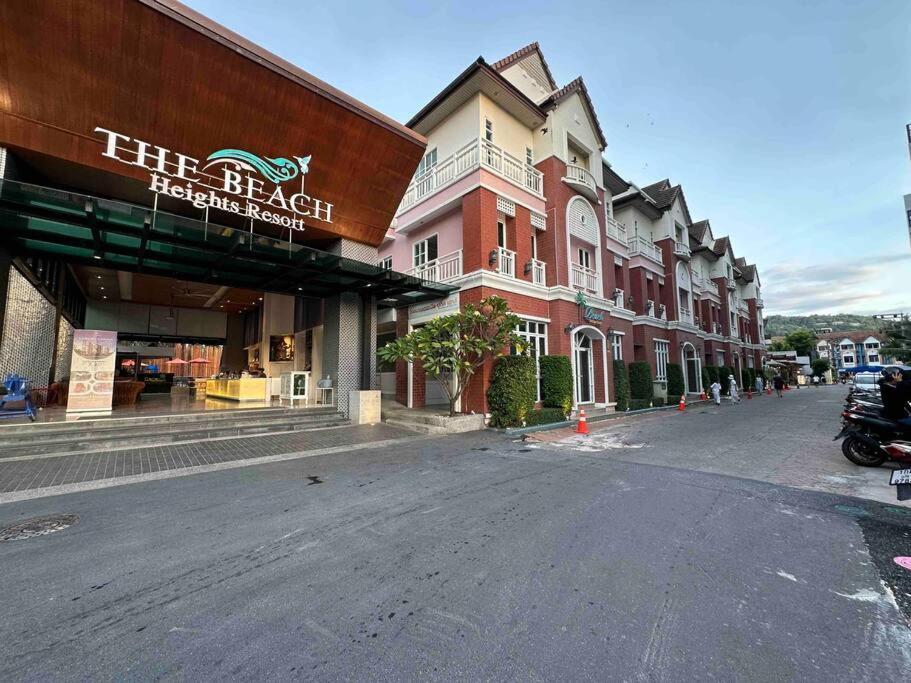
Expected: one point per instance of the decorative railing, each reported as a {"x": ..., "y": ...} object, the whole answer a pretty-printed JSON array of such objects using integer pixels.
[
  {"x": 686, "y": 315},
  {"x": 506, "y": 262},
  {"x": 580, "y": 175},
  {"x": 475, "y": 154},
  {"x": 538, "y": 272},
  {"x": 585, "y": 279},
  {"x": 710, "y": 286},
  {"x": 616, "y": 229},
  {"x": 442, "y": 269},
  {"x": 681, "y": 249},
  {"x": 639, "y": 245}
]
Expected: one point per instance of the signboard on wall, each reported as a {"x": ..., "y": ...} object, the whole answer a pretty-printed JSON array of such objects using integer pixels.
[
  {"x": 92, "y": 371},
  {"x": 421, "y": 313}
]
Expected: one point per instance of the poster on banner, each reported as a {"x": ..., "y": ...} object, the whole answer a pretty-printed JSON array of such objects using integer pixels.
[{"x": 92, "y": 371}]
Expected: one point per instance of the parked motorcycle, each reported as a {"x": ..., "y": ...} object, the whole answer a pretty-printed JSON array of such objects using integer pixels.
[{"x": 870, "y": 439}]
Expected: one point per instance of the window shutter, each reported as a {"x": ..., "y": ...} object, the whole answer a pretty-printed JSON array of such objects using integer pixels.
[{"x": 582, "y": 221}]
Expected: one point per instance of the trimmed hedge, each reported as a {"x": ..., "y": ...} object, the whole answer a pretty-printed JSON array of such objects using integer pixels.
[
  {"x": 713, "y": 374},
  {"x": 640, "y": 382},
  {"x": 544, "y": 416},
  {"x": 658, "y": 402},
  {"x": 556, "y": 382},
  {"x": 706, "y": 379},
  {"x": 724, "y": 373},
  {"x": 676, "y": 387},
  {"x": 511, "y": 395},
  {"x": 621, "y": 386},
  {"x": 639, "y": 404}
]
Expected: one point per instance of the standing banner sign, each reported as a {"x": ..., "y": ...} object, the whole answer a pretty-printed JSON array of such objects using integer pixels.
[{"x": 92, "y": 371}]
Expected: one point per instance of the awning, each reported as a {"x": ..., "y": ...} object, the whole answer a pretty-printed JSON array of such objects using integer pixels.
[{"x": 112, "y": 234}]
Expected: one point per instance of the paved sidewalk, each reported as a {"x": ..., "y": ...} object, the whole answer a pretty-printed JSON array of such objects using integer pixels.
[{"x": 28, "y": 474}]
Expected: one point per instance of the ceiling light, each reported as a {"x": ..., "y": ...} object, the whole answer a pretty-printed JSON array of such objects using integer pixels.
[
  {"x": 104, "y": 297},
  {"x": 101, "y": 288},
  {"x": 97, "y": 254},
  {"x": 98, "y": 276}
]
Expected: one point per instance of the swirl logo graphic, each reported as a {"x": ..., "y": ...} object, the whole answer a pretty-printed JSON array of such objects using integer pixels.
[{"x": 277, "y": 170}]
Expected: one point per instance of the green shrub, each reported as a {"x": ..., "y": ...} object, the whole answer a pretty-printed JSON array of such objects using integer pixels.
[
  {"x": 544, "y": 416},
  {"x": 724, "y": 373},
  {"x": 713, "y": 374},
  {"x": 706, "y": 379},
  {"x": 675, "y": 384},
  {"x": 621, "y": 386},
  {"x": 751, "y": 378},
  {"x": 639, "y": 404},
  {"x": 658, "y": 401},
  {"x": 511, "y": 395},
  {"x": 556, "y": 383},
  {"x": 640, "y": 382}
]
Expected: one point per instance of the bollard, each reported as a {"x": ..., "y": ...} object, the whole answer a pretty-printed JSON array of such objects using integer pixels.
[
  {"x": 682, "y": 405},
  {"x": 582, "y": 425}
]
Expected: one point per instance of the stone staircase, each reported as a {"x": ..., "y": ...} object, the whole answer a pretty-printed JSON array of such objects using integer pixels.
[{"x": 116, "y": 433}]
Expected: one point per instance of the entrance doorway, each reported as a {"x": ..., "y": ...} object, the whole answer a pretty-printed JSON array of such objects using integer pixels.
[
  {"x": 585, "y": 372},
  {"x": 693, "y": 369}
]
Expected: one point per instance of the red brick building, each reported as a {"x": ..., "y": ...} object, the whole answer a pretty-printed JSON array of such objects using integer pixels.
[{"x": 515, "y": 198}]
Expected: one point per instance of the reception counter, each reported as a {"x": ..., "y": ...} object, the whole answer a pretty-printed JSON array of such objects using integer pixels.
[{"x": 244, "y": 389}]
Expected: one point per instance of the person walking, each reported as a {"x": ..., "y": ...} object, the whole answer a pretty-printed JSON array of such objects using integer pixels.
[
  {"x": 715, "y": 388},
  {"x": 735, "y": 395},
  {"x": 816, "y": 381},
  {"x": 778, "y": 383},
  {"x": 759, "y": 386}
]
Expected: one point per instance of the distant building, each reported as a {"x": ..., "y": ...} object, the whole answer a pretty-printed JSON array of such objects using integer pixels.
[{"x": 849, "y": 350}]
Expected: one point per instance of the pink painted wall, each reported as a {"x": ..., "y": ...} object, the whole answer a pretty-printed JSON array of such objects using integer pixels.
[{"x": 448, "y": 229}]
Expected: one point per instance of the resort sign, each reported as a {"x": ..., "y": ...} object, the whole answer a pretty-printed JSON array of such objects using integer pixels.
[
  {"x": 588, "y": 313},
  {"x": 231, "y": 180}
]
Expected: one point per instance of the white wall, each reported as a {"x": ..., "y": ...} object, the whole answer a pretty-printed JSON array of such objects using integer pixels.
[
  {"x": 509, "y": 133},
  {"x": 569, "y": 118},
  {"x": 460, "y": 128},
  {"x": 526, "y": 84}
]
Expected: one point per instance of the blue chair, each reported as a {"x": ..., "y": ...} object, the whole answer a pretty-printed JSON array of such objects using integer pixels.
[{"x": 18, "y": 398}]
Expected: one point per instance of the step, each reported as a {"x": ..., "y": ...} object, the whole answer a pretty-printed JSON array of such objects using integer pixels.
[
  {"x": 164, "y": 419},
  {"x": 421, "y": 427},
  {"x": 126, "y": 438}
]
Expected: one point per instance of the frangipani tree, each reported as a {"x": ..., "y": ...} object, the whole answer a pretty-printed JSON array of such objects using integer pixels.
[{"x": 451, "y": 348}]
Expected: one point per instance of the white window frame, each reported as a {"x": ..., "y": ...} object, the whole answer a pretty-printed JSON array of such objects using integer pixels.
[
  {"x": 421, "y": 249},
  {"x": 617, "y": 346},
  {"x": 873, "y": 358},
  {"x": 488, "y": 129},
  {"x": 386, "y": 263},
  {"x": 501, "y": 233},
  {"x": 584, "y": 258},
  {"x": 534, "y": 332},
  {"x": 662, "y": 355},
  {"x": 534, "y": 244},
  {"x": 427, "y": 162},
  {"x": 529, "y": 156}
]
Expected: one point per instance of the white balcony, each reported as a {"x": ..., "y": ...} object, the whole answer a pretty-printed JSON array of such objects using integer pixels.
[
  {"x": 538, "y": 272},
  {"x": 729, "y": 282},
  {"x": 585, "y": 279},
  {"x": 760, "y": 303},
  {"x": 506, "y": 262},
  {"x": 442, "y": 269},
  {"x": 581, "y": 180},
  {"x": 682, "y": 250},
  {"x": 472, "y": 156},
  {"x": 686, "y": 315},
  {"x": 616, "y": 230},
  {"x": 710, "y": 286},
  {"x": 640, "y": 246}
]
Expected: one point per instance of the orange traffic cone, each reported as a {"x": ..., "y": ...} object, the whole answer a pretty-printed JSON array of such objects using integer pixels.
[
  {"x": 749, "y": 394},
  {"x": 582, "y": 425},
  {"x": 702, "y": 396},
  {"x": 768, "y": 390},
  {"x": 682, "y": 405}
]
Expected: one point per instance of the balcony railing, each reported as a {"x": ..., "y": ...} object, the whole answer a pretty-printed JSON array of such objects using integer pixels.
[
  {"x": 729, "y": 281},
  {"x": 639, "y": 245},
  {"x": 538, "y": 272},
  {"x": 616, "y": 230},
  {"x": 475, "y": 154},
  {"x": 442, "y": 269},
  {"x": 682, "y": 250},
  {"x": 506, "y": 262},
  {"x": 686, "y": 315},
  {"x": 710, "y": 286},
  {"x": 585, "y": 279},
  {"x": 577, "y": 174}
]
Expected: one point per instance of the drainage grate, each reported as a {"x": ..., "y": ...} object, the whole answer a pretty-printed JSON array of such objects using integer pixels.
[{"x": 37, "y": 526}]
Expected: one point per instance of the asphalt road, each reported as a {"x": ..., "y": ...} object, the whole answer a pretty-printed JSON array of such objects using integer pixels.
[{"x": 463, "y": 557}]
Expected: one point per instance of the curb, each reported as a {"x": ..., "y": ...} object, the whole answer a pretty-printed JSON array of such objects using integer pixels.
[{"x": 517, "y": 431}]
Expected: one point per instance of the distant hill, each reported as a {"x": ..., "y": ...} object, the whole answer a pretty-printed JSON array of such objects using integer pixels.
[{"x": 780, "y": 325}]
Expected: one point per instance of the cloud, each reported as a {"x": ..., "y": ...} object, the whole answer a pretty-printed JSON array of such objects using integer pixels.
[{"x": 875, "y": 284}]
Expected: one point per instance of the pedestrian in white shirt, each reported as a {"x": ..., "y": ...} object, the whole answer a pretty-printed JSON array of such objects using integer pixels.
[
  {"x": 735, "y": 395},
  {"x": 715, "y": 388}
]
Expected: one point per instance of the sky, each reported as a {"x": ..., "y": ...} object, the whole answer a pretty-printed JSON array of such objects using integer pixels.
[{"x": 784, "y": 121}]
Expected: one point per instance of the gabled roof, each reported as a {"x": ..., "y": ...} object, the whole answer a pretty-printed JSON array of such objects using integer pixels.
[
  {"x": 722, "y": 245},
  {"x": 612, "y": 180},
  {"x": 665, "y": 194},
  {"x": 479, "y": 76},
  {"x": 699, "y": 229},
  {"x": 527, "y": 52},
  {"x": 576, "y": 86},
  {"x": 747, "y": 271},
  {"x": 857, "y": 336}
]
